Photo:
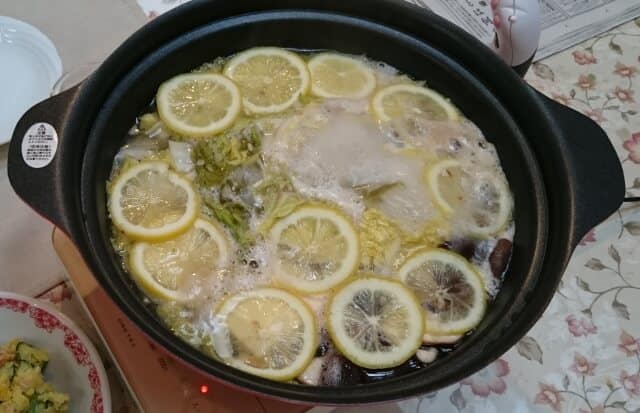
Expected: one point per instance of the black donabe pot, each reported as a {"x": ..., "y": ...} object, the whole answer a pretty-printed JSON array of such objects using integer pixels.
[{"x": 564, "y": 173}]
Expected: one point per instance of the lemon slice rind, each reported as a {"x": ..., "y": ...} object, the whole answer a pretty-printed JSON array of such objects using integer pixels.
[
  {"x": 434, "y": 184},
  {"x": 375, "y": 359},
  {"x": 323, "y": 59},
  {"x": 432, "y": 325},
  {"x": 348, "y": 264},
  {"x": 293, "y": 59},
  {"x": 146, "y": 279},
  {"x": 500, "y": 219},
  {"x": 377, "y": 102},
  {"x": 167, "y": 231},
  {"x": 184, "y": 128},
  {"x": 306, "y": 316},
  {"x": 504, "y": 214}
]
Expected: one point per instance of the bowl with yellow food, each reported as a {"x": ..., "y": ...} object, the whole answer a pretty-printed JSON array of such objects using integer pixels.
[{"x": 47, "y": 364}]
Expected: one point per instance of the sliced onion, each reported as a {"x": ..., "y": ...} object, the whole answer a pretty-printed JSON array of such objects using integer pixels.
[
  {"x": 181, "y": 154},
  {"x": 141, "y": 147}
]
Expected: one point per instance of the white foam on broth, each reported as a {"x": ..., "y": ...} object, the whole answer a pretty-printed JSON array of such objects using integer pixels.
[{"x": 334, "y": 151}]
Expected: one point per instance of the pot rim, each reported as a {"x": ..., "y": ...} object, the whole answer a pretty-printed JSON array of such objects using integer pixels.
[
  {"x": 580, "y": 193},
  {"x": 375, "y": 392}
]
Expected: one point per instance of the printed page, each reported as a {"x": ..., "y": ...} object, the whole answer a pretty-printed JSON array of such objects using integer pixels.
[{"x": 564, "y": 23}]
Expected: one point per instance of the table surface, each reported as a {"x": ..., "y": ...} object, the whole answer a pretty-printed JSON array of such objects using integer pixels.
[{"x": 584, "y": 353}]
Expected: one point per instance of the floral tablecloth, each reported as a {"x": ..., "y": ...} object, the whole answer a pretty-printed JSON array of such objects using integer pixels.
[{"x": 584, "y": 354}]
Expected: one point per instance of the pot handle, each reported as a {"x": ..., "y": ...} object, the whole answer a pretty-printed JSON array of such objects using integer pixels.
[
  {"x": 595, "y": 172},
  {"x": 35, "y": 162},
  {"x": 517, "y": 31}
]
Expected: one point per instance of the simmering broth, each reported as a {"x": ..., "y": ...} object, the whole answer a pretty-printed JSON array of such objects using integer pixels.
[{"x": 319, "y": 218}]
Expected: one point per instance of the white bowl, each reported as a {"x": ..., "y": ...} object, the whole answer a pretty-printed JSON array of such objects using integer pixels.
[
  {"x": 30, "y": 65},
  {"x": 74, "y": 365}
]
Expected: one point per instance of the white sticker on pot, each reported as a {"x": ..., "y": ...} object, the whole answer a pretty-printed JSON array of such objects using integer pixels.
[{"x": 39, "y": 145}]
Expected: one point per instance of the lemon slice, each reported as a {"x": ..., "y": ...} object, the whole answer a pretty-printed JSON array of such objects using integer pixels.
[
  {"x": 483, "y": 199},
  {"x": 198, "y": 104},
  {"x": 316, "y": 248},
  {"x": 268, "y": 332},
  {"x": 375, "y": 322},
  {"x": 162, "y": 268},
  {"x": 407, "y": 100},
  {"x": 338, "y": 76},
  {"x": 270, "y": 79},
  {"x": 149, "y": 202},
  {"x": 449, "y": 289}
]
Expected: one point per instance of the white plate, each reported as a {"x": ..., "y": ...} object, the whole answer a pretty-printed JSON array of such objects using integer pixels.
[
  {"x": 74, "y": 365},
  {"x": 29, "y": 67}
]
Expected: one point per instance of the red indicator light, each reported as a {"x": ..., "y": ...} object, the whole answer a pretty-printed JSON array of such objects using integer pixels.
[{"x": 204, "y": 389}]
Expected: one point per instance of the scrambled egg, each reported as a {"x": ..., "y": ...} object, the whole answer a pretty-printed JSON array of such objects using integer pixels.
[{"x": 22, "y": 387}]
